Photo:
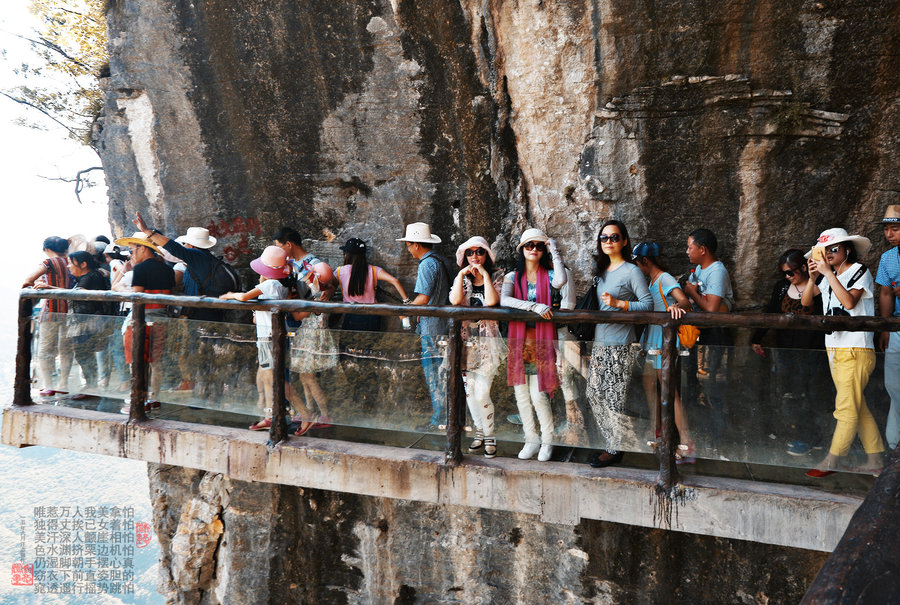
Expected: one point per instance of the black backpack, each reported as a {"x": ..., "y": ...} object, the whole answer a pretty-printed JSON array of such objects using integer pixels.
[{"x": 223, "y": 278}]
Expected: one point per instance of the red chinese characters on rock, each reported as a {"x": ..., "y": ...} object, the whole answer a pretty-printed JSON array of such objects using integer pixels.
[
  {"x": 239, "y": 226},
  {"x": 143, "y": 534},
  {"x": 22, "y": 574}
]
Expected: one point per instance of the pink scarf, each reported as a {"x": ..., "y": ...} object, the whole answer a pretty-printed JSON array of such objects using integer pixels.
[{"x": 546, "y": 339}]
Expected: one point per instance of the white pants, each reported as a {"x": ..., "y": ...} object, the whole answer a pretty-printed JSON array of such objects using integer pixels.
[
  {"x": 531, "y": 400},
  {"x": 52, "y": 341},
  {"x": 478, "y": 398},
  {"x": 892, "y": 384}
]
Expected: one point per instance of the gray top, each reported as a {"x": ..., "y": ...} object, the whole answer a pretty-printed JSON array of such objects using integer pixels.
[{"x": 625, "y": 282}]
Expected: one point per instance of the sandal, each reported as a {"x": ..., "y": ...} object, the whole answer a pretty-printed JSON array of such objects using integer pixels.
[
  {"x": 685, "y": 454},
  {"x": 262, "y": 425},
  {"x": 304, "y": 428},
  {"x": 490, "y": 447},
  {"x": 477, "y": 442}
]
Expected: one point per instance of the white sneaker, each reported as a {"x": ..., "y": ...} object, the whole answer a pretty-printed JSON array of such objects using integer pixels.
[
  {"x": 529, "y": 451},
  {"x": 546, "y": 452}
]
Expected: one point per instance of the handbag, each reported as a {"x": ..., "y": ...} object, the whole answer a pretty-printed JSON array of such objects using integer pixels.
[
  {"x": 687, "y": 334},
  {"x": 589, "y": 302}
]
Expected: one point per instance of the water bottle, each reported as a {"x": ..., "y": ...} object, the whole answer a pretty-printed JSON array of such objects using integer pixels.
[
  {"x": 406, "y": 323},
  {"x": 695, "y": 280}
]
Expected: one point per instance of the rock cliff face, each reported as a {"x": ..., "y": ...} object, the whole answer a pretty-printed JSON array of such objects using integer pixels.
[
  {"x": 767, "y": 123},
  {"x": 226, "y": 541}
]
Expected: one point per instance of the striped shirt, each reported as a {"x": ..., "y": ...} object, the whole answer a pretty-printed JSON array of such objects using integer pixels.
[{"x": 58, "y": 277}]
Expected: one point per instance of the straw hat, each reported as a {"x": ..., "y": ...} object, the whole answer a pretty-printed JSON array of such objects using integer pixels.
[
  {"x": 891, "y": 215},
  {"x": 419, "y": 232},
  {"x": 531, "y": 235},
  {"x": 829, "y": 237},
  {"x": 139, "y": 239},
  {"x": 197, "y": 237},
  {"x": 474, "y": 242},
  {"x": 272, "y": 263}
]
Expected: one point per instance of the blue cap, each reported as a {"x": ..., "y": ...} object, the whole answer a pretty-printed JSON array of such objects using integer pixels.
[{"x": 645, "y": 249}]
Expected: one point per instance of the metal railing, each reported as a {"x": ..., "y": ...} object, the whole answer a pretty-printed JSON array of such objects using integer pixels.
[{"x": 278, "y": 432}]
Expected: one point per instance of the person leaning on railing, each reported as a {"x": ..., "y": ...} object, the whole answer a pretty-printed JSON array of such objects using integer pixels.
[
  {"x": 847, "y": 289},
  {"x": 478, "y": 284},
  {"x": 358, "y": 281},
  {"x": 86, "y": 330}
]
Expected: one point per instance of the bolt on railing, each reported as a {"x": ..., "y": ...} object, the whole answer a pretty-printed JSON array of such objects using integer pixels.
[{"x": 278, "y": 432}]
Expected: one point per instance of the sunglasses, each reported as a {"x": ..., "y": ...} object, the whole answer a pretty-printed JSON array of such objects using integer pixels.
[
  {"x": 791, "y": 273},
  {"x": 615, "y": 237},
  {"x": 834, "y": 249},
  {"x": 534, "y": 246},
  {"x": 478, "y": 251}
]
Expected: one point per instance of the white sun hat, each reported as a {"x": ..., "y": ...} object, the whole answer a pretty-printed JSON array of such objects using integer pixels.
[
  {"x": 419, "y": 232},
  {"x": 197, "y": 237}
]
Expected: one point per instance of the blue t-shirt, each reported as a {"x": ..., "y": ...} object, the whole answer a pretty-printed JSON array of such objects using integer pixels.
[
  {"x": 889, "y": 272},
  {"x": 653, "y": 339},
  {"x": 715, "y": 281},
  {"x": 433, "y": 280},
  {"x": 625, "y": 282}
]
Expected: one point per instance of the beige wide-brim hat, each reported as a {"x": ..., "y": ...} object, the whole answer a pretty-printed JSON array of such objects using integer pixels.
[
  {"x": 531, "y": 235},
  {"x": 474, "y": 242},
  {"x": 197, "y": 237},
  {"x": 829, "y": 237},
  {"x": 140, "y": 239},
  {"x": 892, "y": 215},
  {"x": 419, "y": 232}
]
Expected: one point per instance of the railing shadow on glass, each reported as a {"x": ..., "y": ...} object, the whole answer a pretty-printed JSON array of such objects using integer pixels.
[{"x": 731, "y": 404}]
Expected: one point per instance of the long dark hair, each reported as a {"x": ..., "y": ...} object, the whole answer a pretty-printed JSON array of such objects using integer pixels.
[
  {"x": 359, "y": 272},
  {"x": 544, "y": 262},
  {"x": 84, "y": 257},
  {"x": 601, "y": 258}
]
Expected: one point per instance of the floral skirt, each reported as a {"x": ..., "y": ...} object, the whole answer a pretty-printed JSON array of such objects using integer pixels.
[{"x": 313, "y": 347}]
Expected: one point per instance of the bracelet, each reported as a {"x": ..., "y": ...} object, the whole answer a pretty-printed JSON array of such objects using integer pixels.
[
  {"x": 157, "y": 231},
  {"x": 406, "y": 301}
]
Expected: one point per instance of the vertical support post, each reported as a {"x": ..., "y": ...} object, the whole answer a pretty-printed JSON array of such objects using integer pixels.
[
  {"x": 22, "y": 389},
  {"x": 455, "y": 396},
  {"x": 139, "y": 364},
  {"x": 668, "y": 471},
  {"x": 278, "y": 431}
]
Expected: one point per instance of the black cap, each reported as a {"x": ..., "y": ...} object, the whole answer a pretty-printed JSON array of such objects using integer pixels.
[{"x": 354, "y": 244}]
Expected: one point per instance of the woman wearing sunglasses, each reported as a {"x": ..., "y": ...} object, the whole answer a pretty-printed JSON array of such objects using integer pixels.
[
  {"x": 847, "y": 289},
  {"x": 531, "y": 370},
  {"x": 792, "y": 370},
  {"x": 620, "y": 287},
  {"x": 478, "y": 284}
]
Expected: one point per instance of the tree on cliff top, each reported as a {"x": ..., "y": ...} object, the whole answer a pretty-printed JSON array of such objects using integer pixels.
[{"x": 71, "y": 56}]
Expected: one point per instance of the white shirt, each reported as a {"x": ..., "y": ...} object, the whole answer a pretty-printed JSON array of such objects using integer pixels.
[
  {"x": 865, "y": 306},
  {"x": 271, "y": 289}
]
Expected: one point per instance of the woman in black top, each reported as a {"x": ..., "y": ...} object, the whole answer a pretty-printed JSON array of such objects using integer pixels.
[{"x": 86, "y": 331}]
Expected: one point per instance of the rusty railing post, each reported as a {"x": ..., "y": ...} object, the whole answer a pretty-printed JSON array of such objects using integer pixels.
[
  {"x": 139, "y": 365},
  {"x": 668, "y": 471},
  {"x": 456, "y": 396},
  {"x": 278, "y": 431},
  {"x": 22, "y": 389}
]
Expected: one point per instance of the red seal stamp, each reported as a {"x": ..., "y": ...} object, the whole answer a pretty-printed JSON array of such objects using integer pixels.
[
  {"x": 22, "y": 574},
  {"x": 143, "y": 534}
]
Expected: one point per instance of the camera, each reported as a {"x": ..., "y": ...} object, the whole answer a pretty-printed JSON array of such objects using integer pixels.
[{"x": 836, "y": 312}]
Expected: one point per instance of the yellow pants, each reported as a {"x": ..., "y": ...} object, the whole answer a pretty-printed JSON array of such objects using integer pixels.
[{"x": 850, "y": 370}]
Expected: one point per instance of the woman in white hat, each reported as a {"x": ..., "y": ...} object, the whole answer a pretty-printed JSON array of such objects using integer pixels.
[
  {"x": 847, "y": 289},
  {"x": 478, "y": 284},
  {"x": 531, "y": 370}
]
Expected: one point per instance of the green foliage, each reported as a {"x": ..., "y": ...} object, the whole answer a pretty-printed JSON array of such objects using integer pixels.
[{"x": 70, "y": 56}]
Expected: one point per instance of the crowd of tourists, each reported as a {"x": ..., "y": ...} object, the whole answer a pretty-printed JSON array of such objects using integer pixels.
[{"x": 629, "y": 276}]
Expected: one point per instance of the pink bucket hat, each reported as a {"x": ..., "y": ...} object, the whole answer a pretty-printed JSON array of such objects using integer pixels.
[
  {"x": 474, "y": 242},
  {"x": 272, "y": 263}
]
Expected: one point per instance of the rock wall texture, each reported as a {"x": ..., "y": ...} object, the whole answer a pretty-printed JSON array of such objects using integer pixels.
[
  {"x": 227, "y": 541},
  {"x": 764, "y": 121}
]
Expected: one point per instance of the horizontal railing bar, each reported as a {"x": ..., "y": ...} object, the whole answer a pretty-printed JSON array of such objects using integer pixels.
[{"x": 724, "y": 320}]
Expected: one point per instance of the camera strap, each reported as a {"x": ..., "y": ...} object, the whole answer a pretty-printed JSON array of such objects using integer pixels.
[{"x": 856, "y": 276}]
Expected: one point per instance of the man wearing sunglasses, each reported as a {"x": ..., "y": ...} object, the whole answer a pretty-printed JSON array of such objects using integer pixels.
[{"x": 888, "y": 279}]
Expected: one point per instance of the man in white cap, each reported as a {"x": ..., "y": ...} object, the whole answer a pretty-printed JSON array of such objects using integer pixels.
[
  {"x": 888, "y": 278},
  {"x": 204, "y": 273},
  {"x": 432, "y": 289}
]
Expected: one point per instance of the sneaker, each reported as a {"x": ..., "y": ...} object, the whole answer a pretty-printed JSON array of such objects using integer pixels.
[
  {"x": 529, "y": 451},
  {"x": 514, "y": 419},
  {"x": 545, "y": 453},
  {"x": 125, "y": 409},
  {"x": 798, "y": 448}
]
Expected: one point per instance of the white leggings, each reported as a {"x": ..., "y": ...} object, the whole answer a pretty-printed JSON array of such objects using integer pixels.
[
  {"x": 478, "y": 398},
  {"x": 530, "y": 400}
]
